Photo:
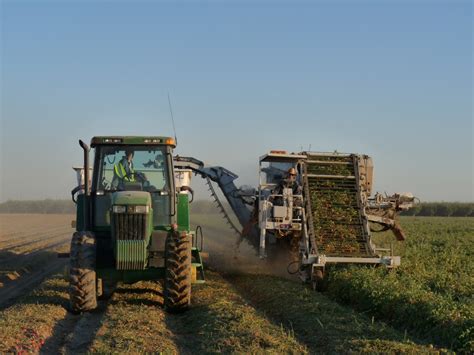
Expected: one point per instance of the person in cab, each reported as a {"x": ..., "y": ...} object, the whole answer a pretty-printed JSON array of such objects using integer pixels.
[
  {"x": 123, "y": 170},
  {"x": 289, "y": 182}
]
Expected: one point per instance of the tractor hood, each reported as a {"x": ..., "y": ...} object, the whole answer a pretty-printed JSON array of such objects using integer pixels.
[{"x": 142, "y": 198}]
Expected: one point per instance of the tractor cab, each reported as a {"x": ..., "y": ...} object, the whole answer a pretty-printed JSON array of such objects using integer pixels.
[
  {"x": 131, "y": 168},
  {"x": 132, "y": 220},
  {"x": 280, "y": 207},
  {"x": 144, "y": 181}
]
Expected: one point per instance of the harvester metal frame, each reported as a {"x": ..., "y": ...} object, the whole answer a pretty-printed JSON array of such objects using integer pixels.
[
  {"x": 280, "y": 219},
  {"x": 313, "y": 260}
]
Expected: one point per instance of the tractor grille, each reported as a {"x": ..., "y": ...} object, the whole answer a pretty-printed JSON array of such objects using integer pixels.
[
  {"x": 131, "y": 255},
  {"x": 129, "y": 226}
]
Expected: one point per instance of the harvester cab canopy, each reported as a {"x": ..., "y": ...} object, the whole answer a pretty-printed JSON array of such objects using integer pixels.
[
  {"x": 281, "y": 156},
  {"x": 275, "y": 165}
]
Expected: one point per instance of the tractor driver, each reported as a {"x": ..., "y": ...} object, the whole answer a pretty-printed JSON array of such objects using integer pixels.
[
  {"x": 123, "y": 170},
  {"x": 289, "y": 182}
]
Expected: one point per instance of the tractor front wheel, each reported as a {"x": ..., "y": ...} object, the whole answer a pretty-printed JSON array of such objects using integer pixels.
[
  {"x": 82, "y": 276},
  {"x": 177, "y": 290}
]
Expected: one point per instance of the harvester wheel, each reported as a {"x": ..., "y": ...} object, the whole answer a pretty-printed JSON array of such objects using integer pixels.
[
  {"x": 82, "y": 276},
  {"x": 177, "y": 290}
]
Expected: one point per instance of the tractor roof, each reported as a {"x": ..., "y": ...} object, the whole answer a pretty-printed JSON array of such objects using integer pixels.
[{"x": 133, "y": 140}]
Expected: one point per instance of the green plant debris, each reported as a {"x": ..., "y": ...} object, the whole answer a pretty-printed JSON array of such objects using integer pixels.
[
  {"x": 334, "y": 205},
  {"x": 331, "y": 169}
]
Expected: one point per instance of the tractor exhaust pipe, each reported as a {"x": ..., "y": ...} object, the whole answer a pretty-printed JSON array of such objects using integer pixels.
[{"x": 86, "y": 149}]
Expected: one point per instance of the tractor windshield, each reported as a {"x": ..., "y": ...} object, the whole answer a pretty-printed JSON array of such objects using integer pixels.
[{"x": 132, "y": 168}]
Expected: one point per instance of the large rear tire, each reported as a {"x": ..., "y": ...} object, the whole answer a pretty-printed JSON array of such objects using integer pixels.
[
  {"x": 177, "y": 290},
  {"x": 82, "y": 276}
]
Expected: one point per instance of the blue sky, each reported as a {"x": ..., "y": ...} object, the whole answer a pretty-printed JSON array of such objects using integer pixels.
[{"x": 391, "y": 79}]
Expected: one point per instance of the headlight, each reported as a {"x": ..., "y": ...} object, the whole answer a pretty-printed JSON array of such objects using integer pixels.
[
  {"x": 131, "y": 209},
  {"x": 119, "y": 209},
  {"x": 142, "y": 209}
]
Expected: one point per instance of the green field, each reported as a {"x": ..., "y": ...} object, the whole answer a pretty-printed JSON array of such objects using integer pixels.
[
  {"x": 249, "y": 305},
  {"x": 431, "y": 294}
]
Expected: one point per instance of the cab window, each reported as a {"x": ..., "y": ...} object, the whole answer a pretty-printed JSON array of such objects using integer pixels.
[{"x": 146, "y": 169}]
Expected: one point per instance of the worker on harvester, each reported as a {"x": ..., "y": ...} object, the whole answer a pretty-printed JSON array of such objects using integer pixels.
[
  {"x": 289, "y": 182},
  {"x": 123, "y": 170}
]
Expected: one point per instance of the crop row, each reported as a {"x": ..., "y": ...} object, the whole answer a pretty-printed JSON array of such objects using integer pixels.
[{"x": 431, "y": 294}]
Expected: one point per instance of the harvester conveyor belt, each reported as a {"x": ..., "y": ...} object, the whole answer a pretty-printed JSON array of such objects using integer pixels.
[{"x": 337, "y": 216}]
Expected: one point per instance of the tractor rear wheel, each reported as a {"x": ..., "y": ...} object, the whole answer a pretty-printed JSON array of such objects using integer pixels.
[
  {"x": 177, "y": 290},
  {"x": 82, "y": 276}
]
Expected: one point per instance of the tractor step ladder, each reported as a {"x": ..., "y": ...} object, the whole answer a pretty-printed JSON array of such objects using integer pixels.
[
  {"x": 198, "y": 266},
  {"x": 196, "y": 249}
]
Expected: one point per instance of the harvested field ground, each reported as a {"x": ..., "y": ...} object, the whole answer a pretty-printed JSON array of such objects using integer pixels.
[
  {"x": 242, "y": 308},
  {"x": 28, "y": 247}
]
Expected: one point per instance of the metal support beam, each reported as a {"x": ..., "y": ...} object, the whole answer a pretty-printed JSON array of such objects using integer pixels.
[{"x": 322, "y": 260}]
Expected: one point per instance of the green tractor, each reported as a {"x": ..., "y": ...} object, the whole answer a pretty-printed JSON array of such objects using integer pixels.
[{"x": 133, "y": 223}]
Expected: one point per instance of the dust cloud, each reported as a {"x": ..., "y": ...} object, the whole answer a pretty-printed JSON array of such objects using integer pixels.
[{"x": 231, "y": 255}]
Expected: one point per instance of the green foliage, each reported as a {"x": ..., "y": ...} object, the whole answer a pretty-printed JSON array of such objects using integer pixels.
[
  {"x": 431, "y": 293},
  {"x": 442, "y": 209},
  {"x": 326, "y": 327},
  {"x": 38, "y": 206},
  {"x": 462, "y": 210}
]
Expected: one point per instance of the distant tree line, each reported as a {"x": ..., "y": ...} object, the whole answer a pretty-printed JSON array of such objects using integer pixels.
[
  {"x": 67, "y": 206},
  {"x": 444, "y": 209},
  {"x": 427, "y": 209},
  {"x": 49, "y": 206}
]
